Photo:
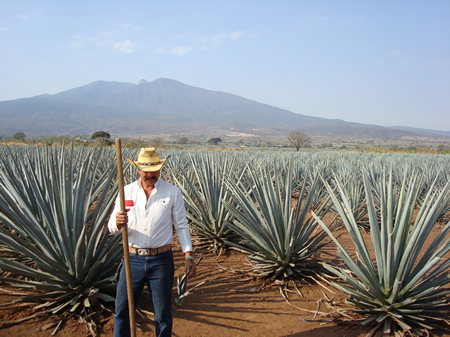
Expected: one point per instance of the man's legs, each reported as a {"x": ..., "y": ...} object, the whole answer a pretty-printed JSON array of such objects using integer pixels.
[
  {"x": 160, "y": 271},
  {"x": 122, "y": 318}
]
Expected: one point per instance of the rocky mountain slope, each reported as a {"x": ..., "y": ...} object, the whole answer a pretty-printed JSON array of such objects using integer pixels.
[{"x": 169, "y": 105}]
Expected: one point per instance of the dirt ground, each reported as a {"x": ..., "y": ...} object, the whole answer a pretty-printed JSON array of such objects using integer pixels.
[{"x": 226, "y": 304}]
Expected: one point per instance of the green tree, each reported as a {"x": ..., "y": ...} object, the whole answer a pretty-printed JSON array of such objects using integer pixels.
[
  {"x": 156, "y": 141},
  {"x": 182, "y": 140},
  {"x": 441, "y": 148},
  {"x": 64, "y": 139},
  {"x": 49, "y": 140},
  {"x": 324, "y": 145},
  {"x": 19, "y": 136},
  {"x": 79, "y": 141},
  {"x": 298, "y": 138},
  {"x": 214, "y": 141},
  {"x": 103, "y": 137},
  {"x": 136, "y": 144},
  {"x": 100, "y": 134}
]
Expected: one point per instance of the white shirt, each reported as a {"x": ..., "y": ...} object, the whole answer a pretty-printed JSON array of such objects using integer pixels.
[{"x": 150, "y": 221}]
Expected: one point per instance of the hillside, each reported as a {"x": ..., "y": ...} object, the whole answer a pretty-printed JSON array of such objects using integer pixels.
[{"x": 169, "y": 105}]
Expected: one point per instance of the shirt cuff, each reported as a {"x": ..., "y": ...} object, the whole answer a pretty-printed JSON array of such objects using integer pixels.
[{"x": 114, "y": 230}]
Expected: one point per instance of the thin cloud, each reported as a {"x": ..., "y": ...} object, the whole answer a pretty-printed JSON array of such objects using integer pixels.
[
  {"x": 397, "y": 52},
  {"x": 176, "y": 50},
  {"x": 4, "y": 29},
  {"x": 363, "y": 17},
  {"x": 160, "y": 50},
  {"x": 400, "y": 56},
  {"x": 107, "y": 35},
  {"x": 207, "y": 44},
  {"x": 217, "y": 39},
  {"x": 215, "y": 42},
  {"x": 180, "y": 50},
  {"x": 441, "y": 63},
  {"x": 76, "y": 45},
  {"x": 404, "y": 61},
  {"x": 23, "y": 16},
  {"x": 125, "y": 46},
  {"x": 95, "y": 39},
  {"x": 236, "y": 35},
  {"x": 77, "y": 42},
  {"x": 106, "y": 38},
  {"x": 27, "y": 16},
  {"x": 128, "y": 26}
]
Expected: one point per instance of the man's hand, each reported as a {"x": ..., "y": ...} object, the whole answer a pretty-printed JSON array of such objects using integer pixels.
[
  {"x": 190, "y": 262},
  {"x": 121, "y": 219}
]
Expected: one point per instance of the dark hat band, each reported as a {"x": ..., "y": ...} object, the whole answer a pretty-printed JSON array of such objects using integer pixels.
[{"x": 149, "y": 164}]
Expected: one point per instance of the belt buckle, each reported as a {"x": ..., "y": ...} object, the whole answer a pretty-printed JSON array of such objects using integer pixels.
[{"x": 143, "y": 252}]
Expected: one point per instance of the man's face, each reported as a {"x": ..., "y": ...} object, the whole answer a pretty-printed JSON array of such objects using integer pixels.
[{"x": 149, "y": 178}]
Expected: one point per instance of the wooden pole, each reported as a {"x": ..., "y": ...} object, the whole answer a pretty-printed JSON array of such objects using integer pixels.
[{"x": 126, "y": 252}]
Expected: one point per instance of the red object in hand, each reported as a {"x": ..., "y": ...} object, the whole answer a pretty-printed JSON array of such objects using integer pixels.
[{"x": 129, "y": 203}]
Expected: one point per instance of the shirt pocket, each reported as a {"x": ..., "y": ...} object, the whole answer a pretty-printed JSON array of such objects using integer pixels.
[
  {"x": 131, "y": 215},
  {"x": 162, "y": 211},
  {"x": 163, "y": 203}
]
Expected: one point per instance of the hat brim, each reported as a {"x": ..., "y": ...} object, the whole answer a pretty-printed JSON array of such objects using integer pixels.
[{"x": 149, "y": 168}]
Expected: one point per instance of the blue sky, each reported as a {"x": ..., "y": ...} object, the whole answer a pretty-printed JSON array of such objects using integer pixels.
[{"x": 375, "y": 62}]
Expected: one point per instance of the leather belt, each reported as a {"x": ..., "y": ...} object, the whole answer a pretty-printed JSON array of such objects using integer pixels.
[{"x": 150, "y": 251}]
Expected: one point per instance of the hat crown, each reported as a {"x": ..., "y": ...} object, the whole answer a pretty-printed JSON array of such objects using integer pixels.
[
  {"x": 148, "y": 160},
  {"x": 148, "y": 156}
]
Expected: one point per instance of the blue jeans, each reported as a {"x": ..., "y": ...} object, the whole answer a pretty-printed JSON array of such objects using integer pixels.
[{"x": 157, "y": 271}]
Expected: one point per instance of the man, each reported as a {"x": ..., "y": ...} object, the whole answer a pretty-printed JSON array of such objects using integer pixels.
[{"x": 153, "y": 205}]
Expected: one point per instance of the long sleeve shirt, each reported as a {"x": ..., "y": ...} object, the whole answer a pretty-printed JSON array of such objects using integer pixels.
[{"x": 150, "y": 221}]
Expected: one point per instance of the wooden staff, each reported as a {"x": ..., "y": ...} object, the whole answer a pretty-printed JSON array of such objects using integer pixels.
[{"x": 126, "y": 252}]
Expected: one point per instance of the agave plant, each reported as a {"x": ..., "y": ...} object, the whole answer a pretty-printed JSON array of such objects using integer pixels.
[
  {"x": 282, "y": 240},
  {"x": 205, "y": 193},
  {"x": 53, "y": 206},
  {"x": 317, "y": 191},
  {"x": 399, "y": 289},
  {"x": 354, "y": 191}
]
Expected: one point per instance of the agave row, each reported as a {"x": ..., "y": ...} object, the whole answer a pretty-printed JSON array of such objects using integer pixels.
[
  {"x": 54, "y": 203},
  {"x": 404, "y": 287},
  {"x": 56, "y": 236}
]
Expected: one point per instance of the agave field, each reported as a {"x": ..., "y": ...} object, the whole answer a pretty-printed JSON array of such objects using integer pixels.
[{"x": 279, "y": 208}]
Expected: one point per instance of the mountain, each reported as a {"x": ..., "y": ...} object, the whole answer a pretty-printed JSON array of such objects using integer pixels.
[
  {"x": 167, "y": 106},
  {"x": 426, "y": 132}
]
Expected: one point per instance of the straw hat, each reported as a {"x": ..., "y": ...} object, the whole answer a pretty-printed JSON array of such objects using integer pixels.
[{"x": 148, "y": 160}]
